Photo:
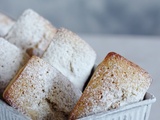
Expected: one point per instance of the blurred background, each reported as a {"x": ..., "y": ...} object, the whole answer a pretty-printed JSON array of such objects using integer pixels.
[{"x": 140, "y": 17}]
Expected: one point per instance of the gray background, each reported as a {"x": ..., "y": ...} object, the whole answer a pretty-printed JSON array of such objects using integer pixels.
[{"x": 140, "y": 17}]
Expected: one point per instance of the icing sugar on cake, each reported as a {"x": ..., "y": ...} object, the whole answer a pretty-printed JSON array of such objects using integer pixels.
[
  {"x": 71, "y": 55},
  {"x": 31, "y": 33},
  {"x": 115, "y": 82},
  {"x": 11, "y": 60},
  {"x": 41, "y": 92}
]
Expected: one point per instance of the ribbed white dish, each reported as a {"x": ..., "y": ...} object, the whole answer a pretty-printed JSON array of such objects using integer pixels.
[
  {"x": 135, "y": 111},
  {"x": 9, "y": 113}
]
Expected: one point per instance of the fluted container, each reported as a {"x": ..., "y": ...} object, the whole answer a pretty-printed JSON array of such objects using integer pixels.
[{"x": 135, "y": 111}]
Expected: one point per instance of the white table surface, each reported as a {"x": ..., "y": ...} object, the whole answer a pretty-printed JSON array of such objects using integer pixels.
[{"x": 142, "y": 50}]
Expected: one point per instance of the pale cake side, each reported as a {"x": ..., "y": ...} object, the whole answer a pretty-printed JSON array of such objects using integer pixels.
[
  {"x": 5, "y": 24},
  {"x": 32, "y": 33},
  {"x": 41, "y": 92},
  {"x": 115, "y": 82},
  {"x": 71, "y": 55},
  {"x": 11, "y": 60}
]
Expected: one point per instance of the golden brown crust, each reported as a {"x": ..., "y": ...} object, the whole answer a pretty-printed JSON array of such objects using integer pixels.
[
  {"x": 117, "y": 56},
  {"x": 8, "y": 90},
  {"x": 115, "y": 82}
]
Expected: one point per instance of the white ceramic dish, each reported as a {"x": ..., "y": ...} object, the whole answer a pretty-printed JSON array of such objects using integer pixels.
[
  {"x": 135, "y": 111},
  {"x": 9, "y": 113}
]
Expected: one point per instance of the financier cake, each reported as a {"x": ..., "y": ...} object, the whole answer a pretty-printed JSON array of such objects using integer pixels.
[
  {"x": 115, "y": 82},
  {"x": 32, "y": 33},
  {"x": 41, "y": 92},
  {"x": 71, "y": 55}
]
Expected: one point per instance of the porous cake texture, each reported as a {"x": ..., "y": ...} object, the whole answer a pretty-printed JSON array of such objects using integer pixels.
[
  {"x": 71, "y": 55},
  {"x": 32, "y": 33},
  {"x": 116, "y": 82},
  {"x": 41, "y": 92}
]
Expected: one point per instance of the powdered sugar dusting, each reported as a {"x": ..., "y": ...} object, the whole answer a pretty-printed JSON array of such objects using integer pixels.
[
  {"x": 11, "y": 60},
  {"x": 41, "y": 92},
  {"x": 115, "y": 82},
  {"x": 32, "y": 33},
  {"x": 71, "y": 55}
]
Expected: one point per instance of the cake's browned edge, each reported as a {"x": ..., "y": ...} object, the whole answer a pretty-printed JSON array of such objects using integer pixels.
[
  {"x": 74, "y": 114},
  {"x": 140, "y": 69},
  {"x": 6, "y": 93}
]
